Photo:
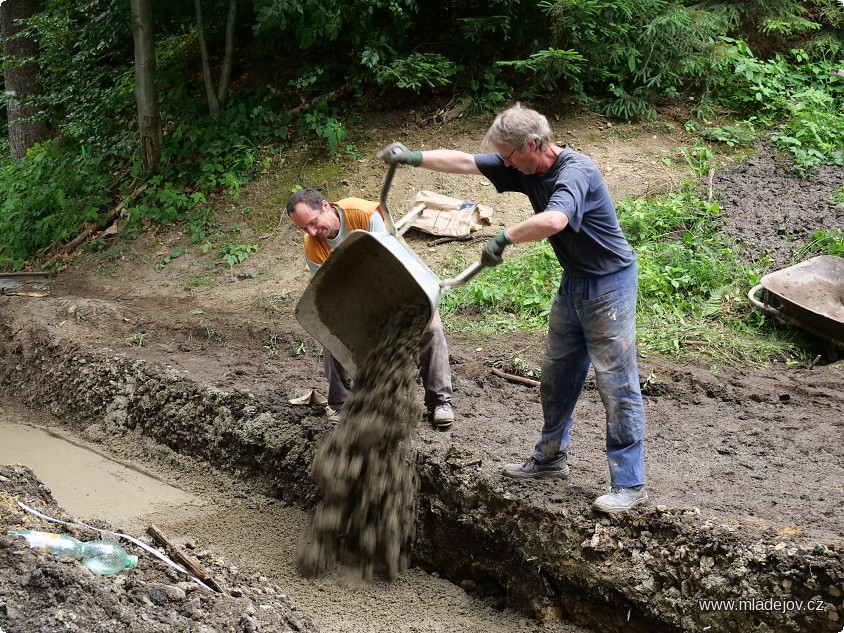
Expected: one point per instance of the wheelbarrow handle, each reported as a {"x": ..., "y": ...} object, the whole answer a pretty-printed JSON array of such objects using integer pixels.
[
  {"x": 385, "y": 188},
  {"x": 463, "y": 277},
  {"x": 751, "y": 295}
]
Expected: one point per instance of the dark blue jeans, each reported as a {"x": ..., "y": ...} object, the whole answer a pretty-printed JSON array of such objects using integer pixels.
[{"x": 593, "y": 320}]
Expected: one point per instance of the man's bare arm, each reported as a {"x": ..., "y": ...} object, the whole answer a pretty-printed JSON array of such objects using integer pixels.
[{"x": 450, "y": 161}]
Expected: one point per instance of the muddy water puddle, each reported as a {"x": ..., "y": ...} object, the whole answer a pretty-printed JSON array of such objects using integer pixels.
[
  {"x": 259, "y": 535},
  {"x": 87, "y": 484}
]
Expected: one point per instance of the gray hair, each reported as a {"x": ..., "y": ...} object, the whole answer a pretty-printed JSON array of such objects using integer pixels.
[
  {"x": 517, "y": 126},
  {"x": 310, "y": 196}
]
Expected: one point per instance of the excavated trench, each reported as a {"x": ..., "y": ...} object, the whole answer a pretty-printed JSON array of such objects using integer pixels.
[{"x": 646, "y": 572}]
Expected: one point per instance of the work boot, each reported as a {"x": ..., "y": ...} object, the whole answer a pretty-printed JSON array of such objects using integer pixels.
[
  {"x": 442, "y": 416},
  {"x": 532, "y": 469},
  {"x": 620, "y": 499}
]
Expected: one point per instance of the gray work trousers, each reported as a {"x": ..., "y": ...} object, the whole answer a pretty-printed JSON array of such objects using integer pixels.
[{"x": 433, "y": 368}]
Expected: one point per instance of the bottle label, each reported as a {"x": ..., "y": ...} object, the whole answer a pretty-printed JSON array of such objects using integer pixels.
[{"x": 45, "y": 540}]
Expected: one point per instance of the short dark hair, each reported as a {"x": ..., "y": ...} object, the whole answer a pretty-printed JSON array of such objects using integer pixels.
[{"x": 310, "y": 196}]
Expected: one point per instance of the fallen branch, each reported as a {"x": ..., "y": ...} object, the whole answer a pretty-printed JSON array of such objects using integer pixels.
[
  {"x": 42, "y": 274},
  {"x": 329, "y": 97},
  {"x": 530, "y": 382},
  {"x": 447, "y": 239},
  {"x": 450, "y": 113},
  {"x": 190, "y": 563},
  {"x": 95, "y": 228}
]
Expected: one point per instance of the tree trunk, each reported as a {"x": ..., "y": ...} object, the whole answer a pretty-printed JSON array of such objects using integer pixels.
[
  {"x": 25, "y": 128},
  {"x": 228, "y": 56},
  {"x": 216, "y": 98},
  {"x": 146, "y": 95}
]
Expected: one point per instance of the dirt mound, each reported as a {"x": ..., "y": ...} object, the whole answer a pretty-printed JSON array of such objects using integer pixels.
[
  {"x": 771, "y": 211},
  {"x": 43, "y": 594}
]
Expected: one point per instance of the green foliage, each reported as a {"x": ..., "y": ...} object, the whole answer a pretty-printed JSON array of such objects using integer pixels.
[
  {"x": 325, "y": 127},
  {"x": 821, "y": 242},
  {"x": 625, "y": 52},
  {"x": 47, "y": 197},
  {"x": 489, "y": 90},
  {"x": 813, "y": 129},
  {"x": 691, "y": 286},
  {"x": 551, "y": 67},
  {"x": 838, "y": 197},
  {"x": 772, "y": 24},
  {"x": 234, "y": 254},
  {"x": 312, "y": 22},
  {"x": 666, "y": 217},
  {"x": 699, "y": 159},
  {"x": 742, "y": 133},
  {"x": 416, "y": 71},
  {"x": 801, "y": 98},
  {"x": 164, "y": 202},
  {"x": 201, "y": 223},
  {"x": 522, "y": 288},
  {"x": 86, "y": 75},
  {"x": 176, "y": 251},
  {"x": 209, "y": 153},
  {"x": 627, "y": 106}
]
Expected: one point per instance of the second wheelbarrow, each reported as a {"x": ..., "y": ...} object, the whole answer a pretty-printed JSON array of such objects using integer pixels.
[
  {"x": 809, "y": 295},
  {"x": 365, "y": 279}
]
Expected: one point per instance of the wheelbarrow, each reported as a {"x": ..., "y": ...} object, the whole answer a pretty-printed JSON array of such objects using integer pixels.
[
  {"x": 367, "y": 277},
  {"x": 808, "y": 295}
]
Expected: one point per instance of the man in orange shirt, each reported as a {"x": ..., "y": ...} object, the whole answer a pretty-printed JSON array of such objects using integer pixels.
[{"x": 326, "y": 224}]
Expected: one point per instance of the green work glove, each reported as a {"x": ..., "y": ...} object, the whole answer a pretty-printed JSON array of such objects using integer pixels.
[
  {"x": 398, "y": 154},
  {"x": 494, "y": 249}
]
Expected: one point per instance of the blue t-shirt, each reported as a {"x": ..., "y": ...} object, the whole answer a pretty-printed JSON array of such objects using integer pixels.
[{"x": 592, "y": 242}]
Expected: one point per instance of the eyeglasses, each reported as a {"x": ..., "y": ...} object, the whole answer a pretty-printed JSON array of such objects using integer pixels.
[{"x": 506, "y": 158}]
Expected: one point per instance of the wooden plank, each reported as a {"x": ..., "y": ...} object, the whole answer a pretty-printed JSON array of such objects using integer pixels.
[{"x": 187, "y": 561}]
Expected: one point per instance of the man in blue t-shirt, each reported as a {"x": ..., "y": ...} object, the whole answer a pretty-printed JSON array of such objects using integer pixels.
[{"x": 593, "y": 317}]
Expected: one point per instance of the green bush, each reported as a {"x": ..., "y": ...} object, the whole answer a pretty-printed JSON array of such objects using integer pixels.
[
  {"x": 417, "y": 70},
  {"x": 625, "y": 50},
  {"x": 800, "y": 99},
  {"x": 47, "y": 197}
]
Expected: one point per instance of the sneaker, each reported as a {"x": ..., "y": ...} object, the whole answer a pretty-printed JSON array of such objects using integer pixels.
[
  {"x": 532, "y": 469},
  {"x": 620, "y": 499},
  {"x": 442, "y": 416}
]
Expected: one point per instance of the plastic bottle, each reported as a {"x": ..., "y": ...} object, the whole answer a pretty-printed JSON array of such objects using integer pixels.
[
  {"x": 106, "y": 557},
  {"x": 56, "y": 544},
  {"x": 101, "y": 557}
]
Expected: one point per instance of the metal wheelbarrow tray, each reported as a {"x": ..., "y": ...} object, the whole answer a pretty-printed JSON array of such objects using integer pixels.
[
  {"x": 366, "y": 278},
  {"x": 809, "y": 295}
]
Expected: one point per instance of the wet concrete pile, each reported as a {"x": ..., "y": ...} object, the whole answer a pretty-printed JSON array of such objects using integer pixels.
[
  {"x": 541, "y": 552},
  {"x": 366, "y": 468}
]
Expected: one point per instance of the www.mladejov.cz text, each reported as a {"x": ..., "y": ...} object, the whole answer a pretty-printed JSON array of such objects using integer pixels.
[{"x": 762, "y": 604}]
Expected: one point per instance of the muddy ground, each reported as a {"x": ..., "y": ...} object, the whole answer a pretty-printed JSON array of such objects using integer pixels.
[{"x": 744, "y": 465}]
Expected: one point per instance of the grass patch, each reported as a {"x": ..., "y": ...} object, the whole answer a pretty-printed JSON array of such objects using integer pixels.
[{"x": 692, "y": 288}]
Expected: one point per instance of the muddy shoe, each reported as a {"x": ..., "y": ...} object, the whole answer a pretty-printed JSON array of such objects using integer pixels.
[
  {"x": 532, "y": 469},
  {"x": 621, "y": 499},
  {"x": 442, "y": 416}
]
